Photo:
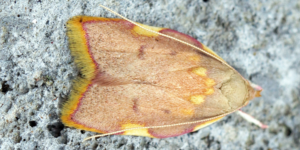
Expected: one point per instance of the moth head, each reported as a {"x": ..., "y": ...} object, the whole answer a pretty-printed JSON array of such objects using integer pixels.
[{"x": 239, "y": 91}]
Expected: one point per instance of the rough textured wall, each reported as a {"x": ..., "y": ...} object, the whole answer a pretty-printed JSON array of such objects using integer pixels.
[{"x": 259, "y": 38}]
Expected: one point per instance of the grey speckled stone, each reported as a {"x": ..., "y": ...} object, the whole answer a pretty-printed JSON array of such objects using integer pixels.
[{"x": 260, "y": 38}]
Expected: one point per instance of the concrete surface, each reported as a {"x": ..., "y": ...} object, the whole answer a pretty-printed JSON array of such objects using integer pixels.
[{"x": 259, "y": 38}]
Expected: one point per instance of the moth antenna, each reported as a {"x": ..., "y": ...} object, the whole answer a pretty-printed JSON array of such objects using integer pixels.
[
  {"x": 246, "y": 116},
  {"x": 167, "y": 36},
  {"x": 164, "y": 126},
  {"x": 251, "y": 119}
]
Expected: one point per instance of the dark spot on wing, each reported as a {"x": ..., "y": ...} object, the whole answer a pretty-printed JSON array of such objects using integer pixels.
[
  {"x": 166, "y": 111},
  {"x": 173, "y": 53},
  {"x": 141, "y": 52},
  {"x": 105, "y": 79},
  {"x": 135, "y": 105}
]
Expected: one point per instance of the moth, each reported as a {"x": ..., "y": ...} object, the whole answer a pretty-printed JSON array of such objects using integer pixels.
[{"x": 147, "y": 81}]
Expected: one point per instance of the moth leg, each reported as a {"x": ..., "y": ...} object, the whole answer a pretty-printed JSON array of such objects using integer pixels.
[
  {"x": 251, "y": 119},
  {"x": 255, "y": 86}
]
